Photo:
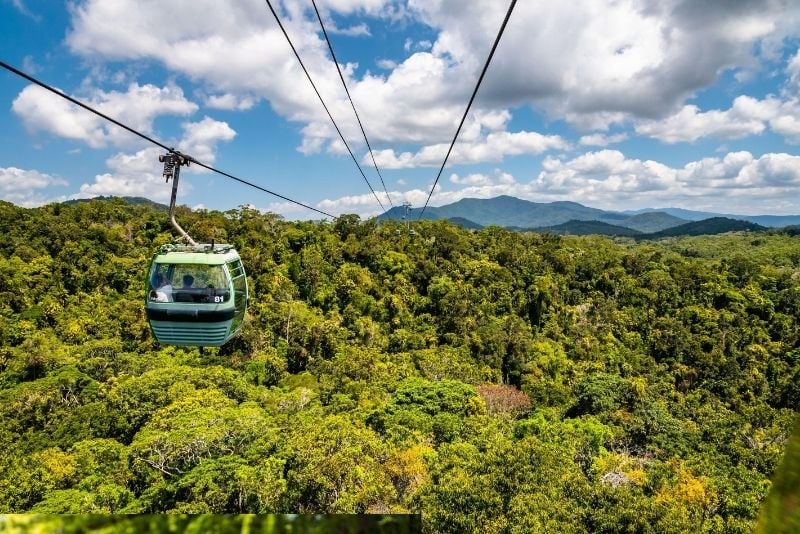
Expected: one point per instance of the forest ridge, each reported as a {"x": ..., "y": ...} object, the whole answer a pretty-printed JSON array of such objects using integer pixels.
[{"x": 491, "y": 380}]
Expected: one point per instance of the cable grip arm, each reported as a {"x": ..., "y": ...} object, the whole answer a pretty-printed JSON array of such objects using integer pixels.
[{"x": 173, "y": 160}]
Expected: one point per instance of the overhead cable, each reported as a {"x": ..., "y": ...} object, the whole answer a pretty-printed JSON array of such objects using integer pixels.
[
  {"x": 469, "y": 105},
  {"x": 305, "y": 70},
  {"x": 352, "y": 104},
  {"x": 79, "y": 103},
  {"x": 153, "y": 141}
]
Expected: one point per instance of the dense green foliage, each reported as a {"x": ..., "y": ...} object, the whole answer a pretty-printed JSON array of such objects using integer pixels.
[
  {"x": 781, "y": 511},
  {"x": 209, "y": 524},
  {"x": 493, "y": 381}
]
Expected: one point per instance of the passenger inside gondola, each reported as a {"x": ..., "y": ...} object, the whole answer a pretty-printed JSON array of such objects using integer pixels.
[{"x": 162, "y": 289}]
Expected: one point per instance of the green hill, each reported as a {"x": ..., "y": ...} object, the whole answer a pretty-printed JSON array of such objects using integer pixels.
[
  {"x": 588, "y": 228},
  {"x": 465, "y": 223},
  {"x": 791, "y": 230},
  {"x": 652, "y": 222},
  {"x": 134, "y": 201},
  {"x": 715, "y": 225}
]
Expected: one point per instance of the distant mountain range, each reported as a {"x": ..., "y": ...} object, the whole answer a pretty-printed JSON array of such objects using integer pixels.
[
  {"x": 512, "y": 212},
  {"x": 574, "y": 218},
  {"x": 771, "y": 221},
  {"x": 569, "y": 218}
]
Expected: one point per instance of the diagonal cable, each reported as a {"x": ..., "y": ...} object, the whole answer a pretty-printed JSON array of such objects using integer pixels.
[
  {"x": 151, "y": 140},
  {"x": 352, "y": 104},
  {"x": 305, "y": 70},
  {"x": 245, "y": 182},
  {"x": 80, "y": 104},
  {"x": 471, "y": 100}
]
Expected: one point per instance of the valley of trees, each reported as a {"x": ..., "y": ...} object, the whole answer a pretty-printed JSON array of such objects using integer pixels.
[{"x": 489, "y": 380}]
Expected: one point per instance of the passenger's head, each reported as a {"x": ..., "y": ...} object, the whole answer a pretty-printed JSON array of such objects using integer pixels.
[{"x": 188, "y": 280}]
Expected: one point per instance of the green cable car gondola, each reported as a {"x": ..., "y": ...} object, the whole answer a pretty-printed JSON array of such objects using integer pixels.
[{"x": 196, "y": 294}]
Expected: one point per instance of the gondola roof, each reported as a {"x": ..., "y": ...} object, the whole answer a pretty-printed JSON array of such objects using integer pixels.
[{"x": 203, "y": 254}]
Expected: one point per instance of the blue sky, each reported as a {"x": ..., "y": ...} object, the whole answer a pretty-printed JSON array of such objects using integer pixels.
[{"x": 617, "y": 104}]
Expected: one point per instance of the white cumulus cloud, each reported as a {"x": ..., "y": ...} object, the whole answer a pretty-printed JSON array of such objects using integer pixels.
[
  {"x": 200, "y": 139},
  {"x": 600, "y": 62},
  {"x": 747, "y": 116},
  {"x": 23, "y": 187},
  {"x": 230, "y": 101},
  {"x": 472, "y": 179},
  {"x": 41, "y": 110},
  {"x": 591, "y": 62},
  {"x": 599, "y": 139},
  {"x": 493, "y": 147},
  {"x": 736, "y": 183},
  {"x": 140, "y": 173}
]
